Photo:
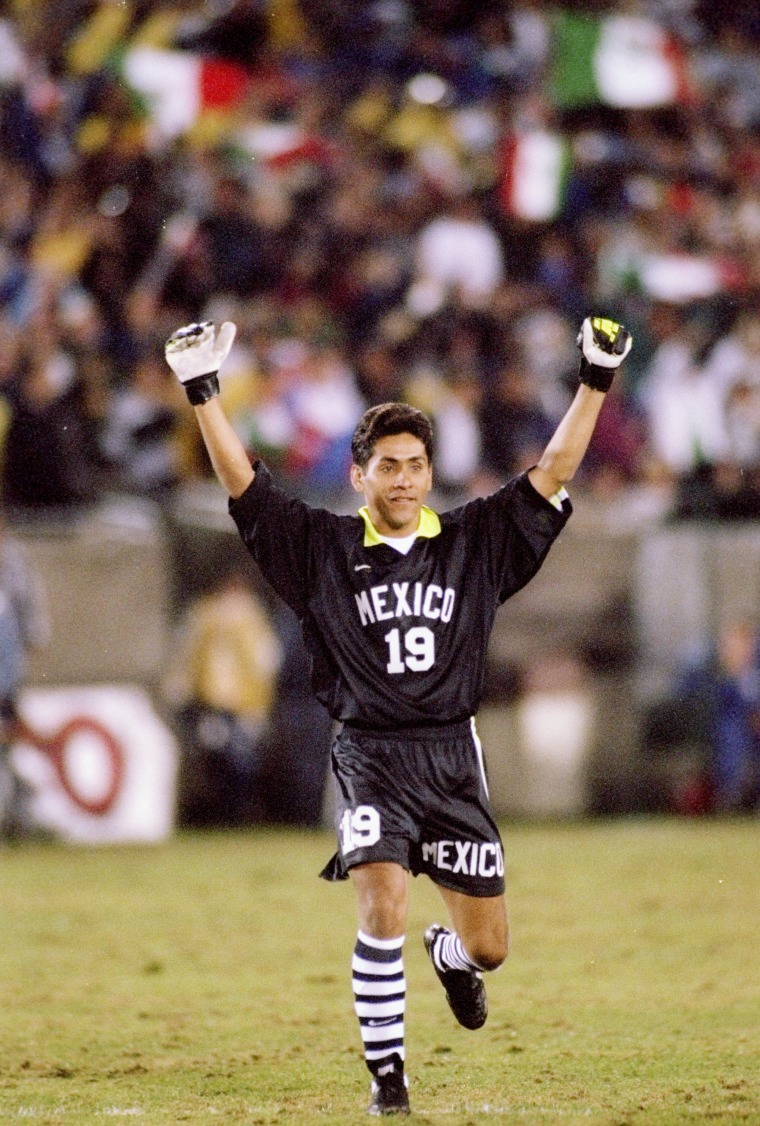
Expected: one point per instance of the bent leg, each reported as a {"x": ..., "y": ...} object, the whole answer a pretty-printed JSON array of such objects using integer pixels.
[
  {"x": 478, "y": 943},
  {"x": 481, "y": 924}
]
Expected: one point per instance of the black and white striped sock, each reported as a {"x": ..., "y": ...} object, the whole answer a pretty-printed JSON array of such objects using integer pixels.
[
  {"x": 450, "y": 954},
  {"x": 379, "y": 998}
]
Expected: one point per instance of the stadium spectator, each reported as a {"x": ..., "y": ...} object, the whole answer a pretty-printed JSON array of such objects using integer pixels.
[
  {"x": 684, "y": 411},
  {"x": 458, "y": 258},
  {"x": 139, "y": 434},
  {"x": 220, "y": 682},
  {"x": 735, "y": 734},
  {"x": 297, "y": 751},
  {"x": 359, "y": 175},
  {"x": 715, "y": 700},
  {"x": 514, "y": 425},
  {"x": 50, "y": 462}
]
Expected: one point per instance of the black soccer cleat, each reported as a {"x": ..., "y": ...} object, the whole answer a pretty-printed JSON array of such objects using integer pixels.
[
  {"x": 465, "y": 991},
  {"x": 389, "y": 1094}
]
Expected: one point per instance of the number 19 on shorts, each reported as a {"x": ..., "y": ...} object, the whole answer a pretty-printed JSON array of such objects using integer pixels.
[
  {"x": 414, "y": 650},
  {"x": 359, "y": 828}
]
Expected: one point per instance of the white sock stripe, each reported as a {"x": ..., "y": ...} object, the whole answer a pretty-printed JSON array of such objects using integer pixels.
[
  {"x": 450, "y": 954},
  {"x": 381, "y": 943},
  {"x": 380, "y": 1035},
  {"x": 380, "y": 1009},
  {"x": 378, "y": 988},
  {"x": 437, "y": 950},
  {"x": 451, "y": 951},
  {"x": 384, "y": 969}
]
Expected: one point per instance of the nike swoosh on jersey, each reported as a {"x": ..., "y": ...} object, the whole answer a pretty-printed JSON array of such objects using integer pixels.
[{"x": 363, "y": 567}]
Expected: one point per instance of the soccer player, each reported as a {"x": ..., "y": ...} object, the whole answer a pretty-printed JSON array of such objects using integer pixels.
[{"x": 396, "y": 606}]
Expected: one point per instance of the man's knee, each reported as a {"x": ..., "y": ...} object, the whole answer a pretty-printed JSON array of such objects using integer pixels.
[
  {"x": 482, "y": 927},
  {"x": 383, "y": 916},
  {"x": 489, "y": 953},
  {"x": 488, "y": 945}
]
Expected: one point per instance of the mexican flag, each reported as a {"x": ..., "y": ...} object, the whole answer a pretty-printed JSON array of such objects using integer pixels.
[
  {"x": 535, "y": 165},
  {"x": 625, "y": 61},
  {"x": 178, "y": 87}
]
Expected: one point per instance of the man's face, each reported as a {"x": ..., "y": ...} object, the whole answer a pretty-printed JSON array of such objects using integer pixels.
[{"x": 395, "y": 482}]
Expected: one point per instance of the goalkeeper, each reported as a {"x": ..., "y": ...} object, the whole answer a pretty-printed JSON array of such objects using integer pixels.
[{"x": 396, "y": 606}]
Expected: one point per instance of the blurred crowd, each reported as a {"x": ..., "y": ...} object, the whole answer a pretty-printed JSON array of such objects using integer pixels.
[{"x": 414, "y": 199}]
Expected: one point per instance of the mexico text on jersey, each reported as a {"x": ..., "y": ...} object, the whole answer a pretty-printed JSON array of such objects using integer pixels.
[{"x": 398, "y": 640}]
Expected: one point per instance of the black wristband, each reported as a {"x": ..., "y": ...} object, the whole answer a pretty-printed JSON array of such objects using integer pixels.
[
  {"x": 595, "y": 376},
  {"x": 202, "y": 388}
]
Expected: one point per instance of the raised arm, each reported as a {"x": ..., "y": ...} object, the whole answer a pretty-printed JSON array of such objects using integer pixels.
[
  {"x": 604, "y": 345},
  {"x": 195, "y": 354},
  {"x": 225, "y": 450}
]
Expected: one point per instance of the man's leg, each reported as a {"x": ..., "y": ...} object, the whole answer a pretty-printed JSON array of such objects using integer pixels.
[
  {"x": 481, "y": 924},
  {"x": 479, "y": 942},
  {"x": 382, "y": 891}
]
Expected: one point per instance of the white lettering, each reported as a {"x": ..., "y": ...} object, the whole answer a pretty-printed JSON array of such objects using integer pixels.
[
  {"x": 484, "y": 868},
  {"x": 365, "y": 610},
  {"x": 402, "y": 606},
  {"x": 432, "y": 601},
  {"x": 395, "y": 664},
  {"x": 472, "y": 859},
  {"x": 433, "y": 591},
  {"x": 462, "y": 847},
  {"x": 420, "y": 648},
  {"x": 378, "y": 594},
  {"x": 359, "y": 828}
]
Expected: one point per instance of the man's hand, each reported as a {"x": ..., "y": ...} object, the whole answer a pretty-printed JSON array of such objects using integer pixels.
[
  {"x": 195, "y": 354},
  {"x": 604, "y": 345}
]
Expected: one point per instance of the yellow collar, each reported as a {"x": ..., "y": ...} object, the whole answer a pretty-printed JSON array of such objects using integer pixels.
[{"x": 429, "y": 526}]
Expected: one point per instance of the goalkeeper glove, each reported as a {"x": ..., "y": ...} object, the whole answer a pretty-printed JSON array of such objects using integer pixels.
[
  {"x": 604, "y": 344},
  {"x": 195, "y": 354}
]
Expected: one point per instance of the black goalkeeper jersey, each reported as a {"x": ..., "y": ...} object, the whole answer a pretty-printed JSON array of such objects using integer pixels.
[{"x": 398, "y": 640}]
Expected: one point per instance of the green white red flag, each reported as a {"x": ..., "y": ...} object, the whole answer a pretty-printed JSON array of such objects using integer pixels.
[
  {"x": 178, "y": 87},
  {"x": 625, "y": 61},
  {"x": 535, "y": 164}
]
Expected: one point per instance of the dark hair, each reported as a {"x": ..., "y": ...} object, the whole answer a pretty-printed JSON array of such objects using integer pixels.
[{"x": 386, "y": 419}]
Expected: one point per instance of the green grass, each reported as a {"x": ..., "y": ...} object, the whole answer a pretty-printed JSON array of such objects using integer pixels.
[{"x": 207, "y": 980}]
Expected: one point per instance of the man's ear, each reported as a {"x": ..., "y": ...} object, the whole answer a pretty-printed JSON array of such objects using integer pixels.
[{"x": 356, "y": 476}]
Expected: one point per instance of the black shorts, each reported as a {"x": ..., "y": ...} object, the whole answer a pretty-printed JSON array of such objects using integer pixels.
[{"x": 417, "y": 797}]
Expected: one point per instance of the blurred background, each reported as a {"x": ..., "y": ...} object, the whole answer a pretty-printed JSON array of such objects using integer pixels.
[{"x": 413, "y": 199}]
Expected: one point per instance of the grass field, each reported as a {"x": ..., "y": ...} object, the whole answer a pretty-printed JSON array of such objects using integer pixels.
[{"x": 207, "y": 980}]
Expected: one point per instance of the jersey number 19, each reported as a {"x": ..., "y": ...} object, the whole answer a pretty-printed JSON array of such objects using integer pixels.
[{"x": 417, "y": 652}]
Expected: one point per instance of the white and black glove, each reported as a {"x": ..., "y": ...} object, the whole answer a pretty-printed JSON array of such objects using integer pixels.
[
  {"x": 604, "y": 344},
  {"x": 195, "y": 354}
]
